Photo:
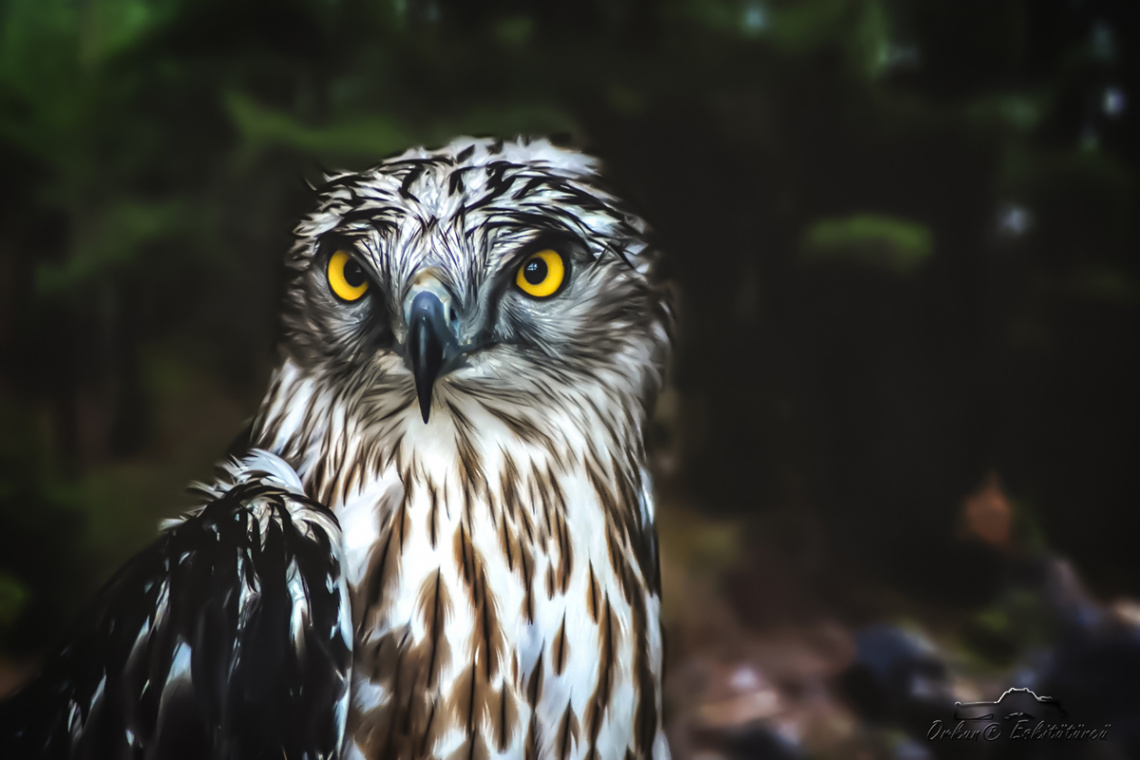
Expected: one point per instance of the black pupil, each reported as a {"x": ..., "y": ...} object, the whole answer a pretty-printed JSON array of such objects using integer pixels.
[
  {"x": 535, "y": 271},
  {"x": 353, "y": 274}
]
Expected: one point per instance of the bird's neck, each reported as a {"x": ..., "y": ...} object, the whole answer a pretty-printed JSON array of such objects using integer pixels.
[{"x": 470, "y": 446}]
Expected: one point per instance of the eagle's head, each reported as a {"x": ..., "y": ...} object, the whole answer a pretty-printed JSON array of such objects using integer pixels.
[{"x": 486, "y": 272}]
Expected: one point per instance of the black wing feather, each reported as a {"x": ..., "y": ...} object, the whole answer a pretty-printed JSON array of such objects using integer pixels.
[{"x": 227, "y": 638}]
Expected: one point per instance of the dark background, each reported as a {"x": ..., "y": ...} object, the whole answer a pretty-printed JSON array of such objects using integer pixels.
[{"x": 904, "y": 232}]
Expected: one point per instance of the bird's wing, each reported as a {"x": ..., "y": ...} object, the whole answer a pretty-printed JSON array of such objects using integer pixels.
[
  {"x": 229, "y": 637},
  {"x": 647, "y": 548}
]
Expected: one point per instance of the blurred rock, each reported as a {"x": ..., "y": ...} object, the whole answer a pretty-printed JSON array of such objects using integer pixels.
[
  {"x": 762, "y": 696},
  {"x": 1095, "y": 671},
  {"x": 898, "y": 678},
  {"x": 757, "y": 741},
  {"x": 727, "y": 710},
  {"x": 738, "y": 695},
  {"x": 1085, "y": 655},
  {"x": 909, "y": 749}
]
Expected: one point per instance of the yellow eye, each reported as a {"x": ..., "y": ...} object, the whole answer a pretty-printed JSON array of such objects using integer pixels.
[
  {"x": 346, "y": 277},
  {"x": 541, "y": 274}
]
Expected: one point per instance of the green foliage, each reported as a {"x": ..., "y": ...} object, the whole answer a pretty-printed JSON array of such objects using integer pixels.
[
  {"x": 124, "y": 229},
  {"x": 886, "y": 243},
  {"x": 373, "y": 135},
  {"x": 13, "y": 599}
]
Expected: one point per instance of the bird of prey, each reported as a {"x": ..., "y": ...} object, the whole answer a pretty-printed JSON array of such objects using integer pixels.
[{"x": 473, "y": 340}]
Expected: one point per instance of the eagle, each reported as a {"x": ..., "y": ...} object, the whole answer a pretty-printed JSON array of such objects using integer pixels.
[{"x": 472, "y": 342}]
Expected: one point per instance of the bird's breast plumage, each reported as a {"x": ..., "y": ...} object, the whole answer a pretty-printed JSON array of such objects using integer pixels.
[{"x": 503, "y": 600}]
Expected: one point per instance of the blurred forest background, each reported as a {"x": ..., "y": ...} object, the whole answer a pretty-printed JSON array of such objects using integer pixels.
[{"x": 902, "y": 442}]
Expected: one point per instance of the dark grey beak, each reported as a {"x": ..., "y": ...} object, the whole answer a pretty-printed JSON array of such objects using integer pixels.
[{"x": 431, "y": 344}]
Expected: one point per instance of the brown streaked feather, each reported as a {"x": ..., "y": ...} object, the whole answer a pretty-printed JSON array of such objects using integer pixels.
[
  {"x": 560, "y": 649},
  {"x": 543, "y": 488},
  {"x": 433, "y": 515},
  {"x": 645, "y": 685},
  {"x": 398, "y": 718},
  {"x": 383, "y": 574},
  {"x": 434, "y": 608},
  {"x": 375, "y": 730},
  {"x": 353, "y": 480},
  {"x": 526, "y": 570},
  {"x": 592, "y": 595},
  {"x": 470, "y": 705},
  {"x": 565, "y": 553},
  {"x": 507, "y": 718},
  {"x": 528, "y": 525},
  {"x": 609, "y": 504},
  {"x": 487, "y": 639},
  {"x": 430, "y": 735},
  {"x": 465, "y": 555},
  {"x": 508, "y": 485},
  {"x": 401, "y": 523},
  {"x": 318, "y": 476},
  {"x": 567, "y": 733},
  {"x": 603, "y": 691},
  {"x": 472, "y": 479},
  {"x": 395, "y": 455},
  {"x": 533, "y": 740},
  {"x": 534, "y": 683},
  {"x": 506, "y": 539},
  {"x": 620, "y": 565},
  {"x": 523, "y": 428}
]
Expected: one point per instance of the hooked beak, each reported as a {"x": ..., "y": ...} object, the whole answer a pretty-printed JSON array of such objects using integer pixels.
[{"x": 431, "y": 344}]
